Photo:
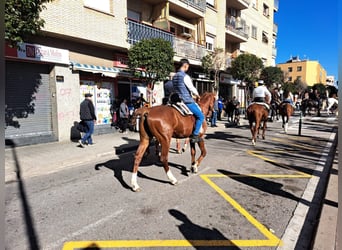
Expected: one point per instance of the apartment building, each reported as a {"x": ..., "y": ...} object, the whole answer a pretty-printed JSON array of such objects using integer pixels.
[
  {"x": 83, "y": 49},
  {"x": 307, "y": 71}
]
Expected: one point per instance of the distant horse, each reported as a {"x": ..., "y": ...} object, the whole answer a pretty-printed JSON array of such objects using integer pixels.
[
  {"x": 163, "y": 123},
  {"x": 285, "y": 110},
  {"x": 257, "y": 113},
  {"x": 308, "y": 105},
  {"x": 178, "y": 145}
]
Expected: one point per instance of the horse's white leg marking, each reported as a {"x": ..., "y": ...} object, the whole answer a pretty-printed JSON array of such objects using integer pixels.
[
  {"x": 285, "y": 127},
  {"x": 253, "y": 142},
  {"x": 194, "y": 167},
  {"x": 134, "y": 182},
  {"x": 171, "y": 177}
]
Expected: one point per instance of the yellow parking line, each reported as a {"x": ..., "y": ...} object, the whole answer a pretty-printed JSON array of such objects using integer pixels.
[
  {"x": 272, "y": 239},
  {"x": 255, "y": 153}
]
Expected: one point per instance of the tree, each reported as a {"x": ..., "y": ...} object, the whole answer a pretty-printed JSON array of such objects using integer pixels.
[
  {"x": 272, "y": 75},
  {"x": 246, "y": 67},
  {"x": 151, "y": 60},
  {"x": 22, "y": 19},
  {"x": 214, "y": 61}
]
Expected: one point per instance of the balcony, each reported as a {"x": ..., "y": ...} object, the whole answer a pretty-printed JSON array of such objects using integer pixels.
[
  {"x": 236, "y": 29},
  {"x": 189, "y": 9},
  {"x": 275, "y": 29},
  {"x": 276, "y": 5},
  {"x": 274, "y": 52},
  {"x": 189, "y": 50},
  {"x": 238, "y": 4},
  {"x": 138, "y": 31},
  {"x": 197, "y": 4}
]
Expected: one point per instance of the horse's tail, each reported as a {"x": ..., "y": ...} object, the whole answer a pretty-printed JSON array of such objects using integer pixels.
[{"x": 139, "y": 113}]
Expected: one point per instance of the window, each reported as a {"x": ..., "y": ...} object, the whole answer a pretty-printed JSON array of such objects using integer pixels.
[
  {"x": 264, "y": 37},
  {"x": 290, "y": 79},
  {"x": 289, "y": 69},
  {"x": 254, "y": 31},
  {"x": 299, "y": 68},
  {"x": 134, "y": 15},
  {"x": 100, "y": 5},
  {"x": 209, "y": 42},
  {"x": 266, "y": 10},
  {"x": 211, "y": 3}
]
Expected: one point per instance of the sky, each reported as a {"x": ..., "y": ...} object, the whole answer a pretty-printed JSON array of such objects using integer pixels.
[{"x": 308, "y": 29}]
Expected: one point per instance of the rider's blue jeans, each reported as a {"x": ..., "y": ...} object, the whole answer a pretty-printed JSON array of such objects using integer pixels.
[{"x": 195, "y": 109}]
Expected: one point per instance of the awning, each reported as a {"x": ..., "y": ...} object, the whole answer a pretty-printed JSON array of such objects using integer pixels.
[{"x": 105, "y": 71}]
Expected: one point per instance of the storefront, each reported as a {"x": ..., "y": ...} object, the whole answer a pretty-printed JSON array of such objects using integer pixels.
[{"x": 29, "y": 97}]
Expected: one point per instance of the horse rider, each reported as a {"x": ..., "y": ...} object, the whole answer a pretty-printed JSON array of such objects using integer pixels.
[
  {"x": 262, "y": 94},
  {"x": 314, "y": 96},
  {"x": 183, "y": 86},
  {"x": 288, "y": 98}
]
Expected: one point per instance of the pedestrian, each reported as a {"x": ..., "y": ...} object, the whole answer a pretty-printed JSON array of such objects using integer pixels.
[
  {"x": 87, "y": 115},
  {"x": 214, "y": 114},
  {"x": 220, "y": 108},
  {"x": 140, "y": 101},
  {"x": 124, "y": 114},
  {"x": 168, "y": 89},
  {"x": 184, "y": 87}
]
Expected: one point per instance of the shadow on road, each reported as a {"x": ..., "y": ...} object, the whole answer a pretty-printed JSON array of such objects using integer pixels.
[
  {"x": 30, "y": 229},
  {"x": 264, "y": 185},
  {"x": 200, "y": 237}
]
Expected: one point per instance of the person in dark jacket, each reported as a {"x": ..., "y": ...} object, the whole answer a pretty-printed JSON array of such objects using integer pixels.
[
  {"x": 183, "y": 86},
  {"x": 87, "y": 115}
]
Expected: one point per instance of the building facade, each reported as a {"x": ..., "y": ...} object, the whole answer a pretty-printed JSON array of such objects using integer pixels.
[
  {"x": 309, "y": 72},
  {"x": 83, "y": 49}
]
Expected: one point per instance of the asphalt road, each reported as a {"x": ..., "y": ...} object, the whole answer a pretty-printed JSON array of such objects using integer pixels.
[{"x": 242, "y": 196}]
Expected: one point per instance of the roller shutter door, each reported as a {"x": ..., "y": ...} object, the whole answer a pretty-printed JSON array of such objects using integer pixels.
[{"x": 28, "y": 101}]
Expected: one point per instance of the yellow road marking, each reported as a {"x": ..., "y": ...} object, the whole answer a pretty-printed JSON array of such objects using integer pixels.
[{"x": 271, "y": 239}]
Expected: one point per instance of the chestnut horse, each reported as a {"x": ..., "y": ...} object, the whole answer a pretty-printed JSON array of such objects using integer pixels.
[
  {"x": 285, "y": 110},
  {"x": 256, "y": 114},
  {"x": 163, "y": 123}
]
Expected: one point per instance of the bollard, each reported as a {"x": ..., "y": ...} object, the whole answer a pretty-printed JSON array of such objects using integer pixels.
[{"x": 300, "y": 123}]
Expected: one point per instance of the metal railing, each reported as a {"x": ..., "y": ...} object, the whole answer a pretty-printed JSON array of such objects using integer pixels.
[
  {"x": 197, "y": 4},
  {"x": 188, "y": 49},
  {"x": 138, "y": 31},
  {"x": 237, "y": 26}
]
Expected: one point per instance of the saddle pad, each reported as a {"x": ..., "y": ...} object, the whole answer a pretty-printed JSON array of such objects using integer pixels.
[
  {"x": 261, "y": 103},
  {"x": 182, "y": 108}
]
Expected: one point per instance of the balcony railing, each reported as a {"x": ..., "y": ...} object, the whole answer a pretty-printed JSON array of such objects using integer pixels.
[
  {"x": 238, "y": 26},
  {"x": 275, "y": 28},
  {"x": 138, "y": 31},
  {"x": 276, "y": 5},
  {"x": 274, "y": 51},
  {"x": 188, "y": 49},
  {"x": 197, "y": 4},
  {"x": 247, "y": 1}
]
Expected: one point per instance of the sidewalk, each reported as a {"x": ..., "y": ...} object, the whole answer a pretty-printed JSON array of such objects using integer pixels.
[{"x": 47, "y": 158}]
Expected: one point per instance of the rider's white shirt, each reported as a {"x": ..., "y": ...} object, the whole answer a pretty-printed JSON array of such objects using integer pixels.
[{"x": 261, "y": 91}]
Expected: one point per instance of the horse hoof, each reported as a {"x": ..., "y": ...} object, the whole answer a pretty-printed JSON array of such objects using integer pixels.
[
  {"x": 179, "y": 152},
  {"x": 194, "y": 170},
  {"x": 174, "y": 183},
  {"x": 253, "y": 143},
  {"x": 136, "y": 189}
]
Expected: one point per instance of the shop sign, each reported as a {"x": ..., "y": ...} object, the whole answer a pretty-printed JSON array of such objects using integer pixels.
[{"x": 36, "y": 52}]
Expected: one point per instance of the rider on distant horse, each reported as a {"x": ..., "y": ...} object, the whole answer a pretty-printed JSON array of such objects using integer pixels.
[
  {"x": 288, "y": 98},
  {"x": 261, "y": 92},
  {"x": 184, "y": 87}
]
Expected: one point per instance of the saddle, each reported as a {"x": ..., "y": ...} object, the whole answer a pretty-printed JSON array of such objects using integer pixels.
[
  {"x": 261, "y": 103},
  {"x": 177, "y": 103}
]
